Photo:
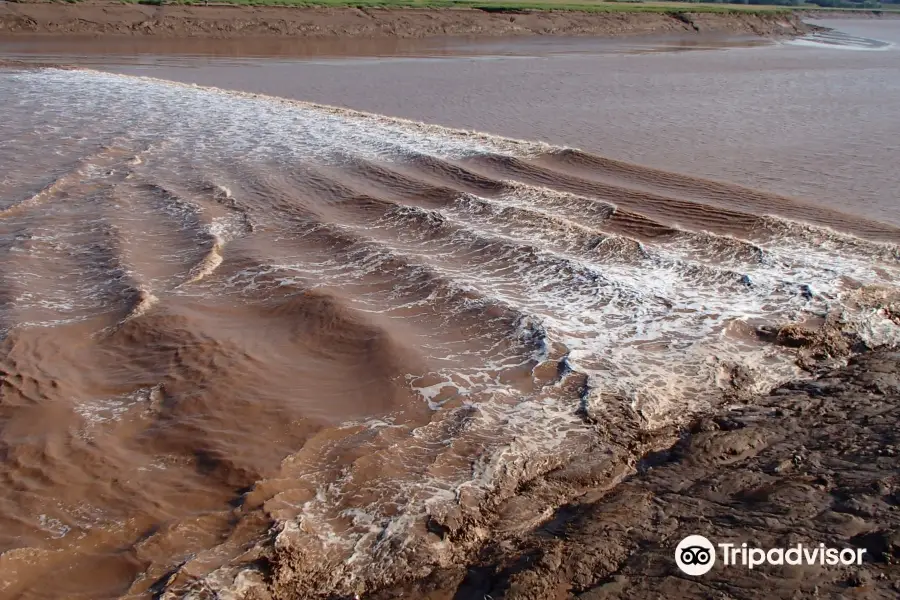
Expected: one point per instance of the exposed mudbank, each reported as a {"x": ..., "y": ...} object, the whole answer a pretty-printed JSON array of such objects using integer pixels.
[
  {"x": 811, "y": 462},
  {"x": 225, "y": 22}
]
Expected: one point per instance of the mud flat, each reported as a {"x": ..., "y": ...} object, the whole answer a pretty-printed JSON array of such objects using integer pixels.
[
  {"x": 812, "y": 462},
  {"x": 95, "y": 18}
]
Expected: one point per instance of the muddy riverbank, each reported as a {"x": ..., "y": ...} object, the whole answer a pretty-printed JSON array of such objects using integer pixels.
[
  {"x": 95, "y": 18},
  {"x": 812, "y": 462}
]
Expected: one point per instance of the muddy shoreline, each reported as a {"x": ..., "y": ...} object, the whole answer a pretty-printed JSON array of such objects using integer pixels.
[
  {"x": 101, "y": 19},
  {"x": 813, "y": 461}
]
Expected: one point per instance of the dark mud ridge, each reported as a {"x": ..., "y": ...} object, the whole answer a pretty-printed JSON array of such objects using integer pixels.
[
  {"x": 99, "y": 18},
  {"x": 813, "y": 461}
]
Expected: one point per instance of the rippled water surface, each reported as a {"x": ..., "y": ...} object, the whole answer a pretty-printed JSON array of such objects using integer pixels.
[
  {"x": 226, "y": 314},
  {"x": 816, "y": 121}
]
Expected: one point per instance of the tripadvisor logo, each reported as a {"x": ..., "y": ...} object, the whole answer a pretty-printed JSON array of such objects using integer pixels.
[{"x": 695, "y": 555}]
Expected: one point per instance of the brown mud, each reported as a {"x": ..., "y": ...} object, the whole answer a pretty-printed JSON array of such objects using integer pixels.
[
  {"x": 811, "y": 462},
  {"x": 99, "y": 18}
]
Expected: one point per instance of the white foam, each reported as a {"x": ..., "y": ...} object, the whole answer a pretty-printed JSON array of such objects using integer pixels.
[
  {"x": 835, "y": 40},
  {"x": 221, "y": 123},
  {"x": 54, "y": 526}
]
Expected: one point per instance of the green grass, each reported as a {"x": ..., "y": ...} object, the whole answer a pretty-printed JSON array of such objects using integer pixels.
[{"x": 606, "y": 6}]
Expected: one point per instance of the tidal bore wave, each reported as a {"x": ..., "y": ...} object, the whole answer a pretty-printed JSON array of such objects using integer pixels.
[
  {"x": 841, "y": 41},
  {"x": 268, "y": 349}
]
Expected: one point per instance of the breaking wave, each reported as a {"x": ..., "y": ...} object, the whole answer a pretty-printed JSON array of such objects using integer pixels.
[{"x": 840, "y": 41}]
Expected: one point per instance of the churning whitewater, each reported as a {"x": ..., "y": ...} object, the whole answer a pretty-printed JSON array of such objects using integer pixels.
[{"x": 242, "y": 331}]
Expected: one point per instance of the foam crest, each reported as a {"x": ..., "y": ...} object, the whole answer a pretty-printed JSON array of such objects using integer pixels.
[
  {"x": 248, "y": 124},
  {"x": 836, "y": 40}
]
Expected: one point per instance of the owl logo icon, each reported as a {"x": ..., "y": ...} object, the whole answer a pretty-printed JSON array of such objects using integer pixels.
[{"x": 695, "y": 555}]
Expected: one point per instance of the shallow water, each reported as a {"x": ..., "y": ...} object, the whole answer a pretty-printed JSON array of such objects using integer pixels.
[{"x": 223, "y": 311}]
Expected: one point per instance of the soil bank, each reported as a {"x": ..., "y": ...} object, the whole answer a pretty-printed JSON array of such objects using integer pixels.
[{"x": 94, "y": 18}]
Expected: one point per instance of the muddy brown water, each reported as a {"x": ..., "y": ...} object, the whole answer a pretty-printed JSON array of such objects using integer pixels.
[{"x": 224, "y": 312}]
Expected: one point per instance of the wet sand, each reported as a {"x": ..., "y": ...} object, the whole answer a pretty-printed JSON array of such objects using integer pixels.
[{"x": 262, "y": 348}]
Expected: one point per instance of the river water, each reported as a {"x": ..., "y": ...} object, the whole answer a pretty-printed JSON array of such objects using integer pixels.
[{"x": 289, "y": 291}]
